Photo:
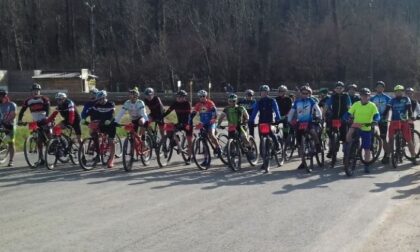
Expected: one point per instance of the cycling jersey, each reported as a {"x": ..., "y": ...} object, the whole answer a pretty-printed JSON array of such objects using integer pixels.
[
  {"x": 306, "y": 109},
  {"x": 354, "y": 98},
  {"x": 323, "y": 101},
  {"x": 69, "y": 112},
  {"x": 39, "y": 107},
  {"x": 136, "y": 110},
  {"x": 381, "y": 101},
  {"x": 88, "y": 105},
  {"x": 247, "y": 104},
  {"x": 415, "y": 107},
  {"x": 156, "y": 108},
  {"x": 266, "y": 106},
  {"x": 182, "y": 110},
  {"x": 234, "y": 115},
  {"x": 102, "y": 112},
  {"x": 285, "y": 104},
  {"x": 6, "y": 108},
  {"x": 400, "y": 107},
  {"x": 338, "y": 105},
  {"x": 206, "y": 111},
  {"x": 364, "y": 114}
]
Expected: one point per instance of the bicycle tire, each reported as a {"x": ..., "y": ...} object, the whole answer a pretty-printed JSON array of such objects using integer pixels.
[
  {"x": 279, "y": 153},
  {"x": 30, "y": 146},
  {"x": 164, "y": 151},
  {"x": 52, "y": 148},
  {"x": 334, "y": 149},
  {"x": 320, "y": 156},
  {"x": 416, "y": 143},
  {"x": 146, "y": 151},
  {"x": 375, "y": 149},
  {"x": 234, "y": 155},
  {"x": 118, "y": 146},
  {"x": 201, "y": 148},
  {"x": 128, "y": 154},
  {"x": 86, "y": 154},
  {"x": 350, "y": 158},
  {"x": 396, "y": 151},
  {"x": 265, "y": 151},
  {"x": 4, "y": 149},
  {"x": 223, "y": 140},
  {"x": 305, "y": 153},
  {"x": 254, "y": 150},
  {"x": 184, "y": 148}
]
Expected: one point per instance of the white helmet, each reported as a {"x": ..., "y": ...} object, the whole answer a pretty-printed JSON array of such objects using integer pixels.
[
  {"x": 202, "y": 93},
  {"x": 60, "y": 96},
  {"x": 101, "y": 94},
  {"x": 93, "y": 91}
]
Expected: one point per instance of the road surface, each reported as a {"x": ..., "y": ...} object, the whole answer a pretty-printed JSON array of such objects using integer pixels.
[{"x": 183, "y": 209}]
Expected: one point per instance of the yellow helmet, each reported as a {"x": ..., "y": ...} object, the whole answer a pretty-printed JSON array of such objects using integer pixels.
[{"x": 399, "y": 88}]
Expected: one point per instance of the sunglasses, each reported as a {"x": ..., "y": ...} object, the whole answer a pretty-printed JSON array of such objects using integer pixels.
[
  {"x": 304, "y": 93},
  {"x": 202, "y": 96}
]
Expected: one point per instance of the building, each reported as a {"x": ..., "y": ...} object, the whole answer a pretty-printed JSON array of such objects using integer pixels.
[{"x": 68, "y": 82}]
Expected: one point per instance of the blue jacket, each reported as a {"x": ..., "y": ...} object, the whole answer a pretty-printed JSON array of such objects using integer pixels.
[{"x": 265, "y": 106}]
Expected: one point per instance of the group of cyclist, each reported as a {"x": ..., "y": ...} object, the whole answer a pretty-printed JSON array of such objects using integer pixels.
[{"x": 365, "y": 111}]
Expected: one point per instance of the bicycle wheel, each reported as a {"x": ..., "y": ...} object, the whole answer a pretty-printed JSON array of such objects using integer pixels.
[
  {"x": 350, "y": 158},
  {"x": 252, "y": 153},
  {"x": 265, "y": 151},
  {"x": 87, "y": 155},
  {"x": 319, "y": 156},
  {"x": 64, "y": 156},
  {"x": 289, "y": 146},
  {"x": 146, "y": 151},
  {"x": 234, "y": 154},
  {"x": 335, "y": 145},
  {"x": 223, "y": 140},
  {"x": 4, "y": 149},
  {"x": 306, "y": 153},
  {"x": 32, "y": 156},
  {"x": 278, "y": 154},
  {"x": 184, "y": 148},
  {"x": 375, "y": 149},
  {"x": 105, "y": 149},
  {"x": 164, "y": 151},
  {"x": 74, "y": 149},
  {"x": 416, "y": 142},
  {"x": 396, "y": 154},
  {"x": 51, "y": 153},
  {"x": 201, "y": 153},
  {"x": 128, "y": 154},
  {"x": 118, "y": 146}
]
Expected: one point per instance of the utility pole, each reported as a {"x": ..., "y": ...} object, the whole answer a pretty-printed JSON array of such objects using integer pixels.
[
  {"x": 370, "y": 45},
  {"x": 91, "y": 7}
]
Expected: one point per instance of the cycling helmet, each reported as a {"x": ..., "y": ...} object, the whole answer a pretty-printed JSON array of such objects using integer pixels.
[
  {"x": 3, "y": 92},
  {"x": 306, "y": 88},
  {"x": 339, "y": 84},
  {"x": 93, "y": 91},
  {"x": 60, "y": 96},
  {"x": 149, "y": 91},
  {"x": 399, "y": 88},
  {"x": 36, "y": 86},
  {"x": 365, "y": 91},
  {"x": 265, "y": 88},
  {"x": 282, "y": 88},
  {"x": 380, "y": 83},
  {"x": 101, "y": 94},
  {"x": 249, "y": 92},
  {"x": 181, "y": 93},
  {"x": 202, "y": 93},
  {"x": 233, "y": 97},
  {"x": 134, "y": 91},
  {"x": 354, "y": 86},
  {"x": 409, "y": 89},
  {"x": 323, "y": 90}
]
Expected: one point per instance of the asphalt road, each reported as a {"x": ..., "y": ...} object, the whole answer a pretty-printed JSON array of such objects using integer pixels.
[{"x": 180, "y": 208}]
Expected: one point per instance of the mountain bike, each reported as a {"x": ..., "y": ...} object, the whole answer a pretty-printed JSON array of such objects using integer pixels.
[
  {"x": 177, "y": 142},
  {"x": 308, "y": 147},
  {"x": 416, "y": 141},
  {"x": 335, "y": 140},
  {"x": 61, "y": 147},
  {"x": 39, "y": 133},
  {"x": 4, "y": 145},
  {"x": 399, "y": 145},
  {"x": 236, "y": 147},
  {"x": 201, "y": 148},
  {"x": 135, "y": 147},
  {"x": 267, "y": 148}
]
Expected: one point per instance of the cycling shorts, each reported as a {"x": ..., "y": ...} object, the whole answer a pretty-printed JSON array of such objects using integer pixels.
[
  {"x": 405, "y": 128},
  {"x": 366, "y": 137}
]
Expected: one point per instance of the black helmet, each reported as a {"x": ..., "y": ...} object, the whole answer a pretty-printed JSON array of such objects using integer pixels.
[
  {"x": 365, "y": 91},
  {"x": 36, "y": 86},
  {"x": 380, "y": 83},
  {"x": 3, "y": 92},
  {"x": 181, "y": 93}
]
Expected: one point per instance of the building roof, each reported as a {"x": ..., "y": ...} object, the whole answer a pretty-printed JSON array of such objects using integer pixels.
[{"x": 61, "y": 76}]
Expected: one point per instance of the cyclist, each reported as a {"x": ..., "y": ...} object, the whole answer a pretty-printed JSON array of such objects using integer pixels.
[
  {"x": 208, "y": 115},
  {"x": 40, "y": 108},
  {"x": 8, "y": 116},
  {"x": 69, "y": 113},
  {"x": 285, "y": 104},
  {"x": 363, "y": 112},
  {"x": 323, "y": 97},
  {"x": 266, "y": 106},
  {"x": 182, "y": 108},
  {"x": 103, "y": 111},
  {"x": 135, "y": 108},
  {"x": 236, "y": 116},
  {"x": 306, "y": 109},
  {"x": 400, "y": 107},
  {"x": 88, "y": 105},
  {"x": 156, "y": 108},
  {"x": 351, "y": 89},
  {"x": 336, "y": 106},
  {"x": 248, "y": 103},
  {"x": 415, "y": 106},
  {"x": 381, "y": 100}
]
